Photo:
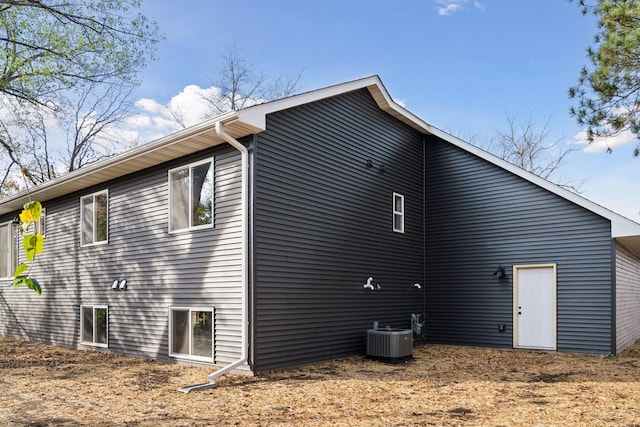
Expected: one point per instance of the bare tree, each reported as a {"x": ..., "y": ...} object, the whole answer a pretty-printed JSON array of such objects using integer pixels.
[
  {"x": 13, "y": 160},
  {"x": 55, "y": 57},
  {"x": 240, "y": 85},
  {"x": 34, "y": 137},
  {"x": 526, "y": 145},
  {"x": 95, "y": 111}
]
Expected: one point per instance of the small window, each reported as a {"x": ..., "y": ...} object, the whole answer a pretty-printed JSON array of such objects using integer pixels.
[
  {"x": 191, "y": 196},
  {"x": 398, "y": 213},
  {"x": 191, "y": 333},
  {"x": 94, "y": 325},
  {"x": 94, "y": 214},
  {"x": 8, "y": 253}
]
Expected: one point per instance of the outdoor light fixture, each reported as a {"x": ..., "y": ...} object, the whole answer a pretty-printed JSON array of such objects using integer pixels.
[
  {"x": 499, "y": 273},
  {"x": 119, "y": 285}
]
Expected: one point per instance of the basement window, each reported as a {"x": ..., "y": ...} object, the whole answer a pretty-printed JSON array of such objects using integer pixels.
[
  {"x": 191, "y": 333},
  {"x": 191, "y": 196},
  {"x": 94, "y": 218},
  {"x": 94, "y": 325},
  {"x": 8, "y": 252},
  {"x": 398, "y": 213}
]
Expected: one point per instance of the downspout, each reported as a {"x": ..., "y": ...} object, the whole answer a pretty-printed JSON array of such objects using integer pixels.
[{"x": 244, "y": 193}]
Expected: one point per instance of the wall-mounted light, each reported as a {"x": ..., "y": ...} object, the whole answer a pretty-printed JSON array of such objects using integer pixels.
[
  {"x": 499, "y": 273},
  {"x": 119, "y": 285},
  {"x": 369, "y": 164}
]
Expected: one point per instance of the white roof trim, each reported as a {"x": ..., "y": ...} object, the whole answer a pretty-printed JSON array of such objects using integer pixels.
[
  {"x": 620, "y": 225},
  {"x": 253, "y": 120}
]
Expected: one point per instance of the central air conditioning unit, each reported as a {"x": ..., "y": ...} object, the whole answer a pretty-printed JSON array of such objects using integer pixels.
[{"x": 390, "y": 345}]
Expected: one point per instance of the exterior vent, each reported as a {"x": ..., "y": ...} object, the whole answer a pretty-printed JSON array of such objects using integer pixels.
[{"x": 390, "y": 345}]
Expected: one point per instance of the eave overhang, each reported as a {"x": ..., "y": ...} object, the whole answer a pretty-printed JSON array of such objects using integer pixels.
[
  {"x": 176, "y": 145},
  {"x": 252, "y": 120}
]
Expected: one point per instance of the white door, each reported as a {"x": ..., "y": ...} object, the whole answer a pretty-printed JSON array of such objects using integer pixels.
[{"x": 534, "y": 311}]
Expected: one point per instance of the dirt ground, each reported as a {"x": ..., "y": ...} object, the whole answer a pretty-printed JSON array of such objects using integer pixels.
[{"x": 44, "y": 385}]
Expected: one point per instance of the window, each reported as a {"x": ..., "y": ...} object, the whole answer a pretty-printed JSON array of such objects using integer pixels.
[
  {"x": 8, "y": 255},
  {"x": 191, "y": 196},
  {"x": 191, "y": 333},
  {"x": 398, "y": 213},
  {"x": 94, "y": 325},
  {"x": 94, "y": 214}
]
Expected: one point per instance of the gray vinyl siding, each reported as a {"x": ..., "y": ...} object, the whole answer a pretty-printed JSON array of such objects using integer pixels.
[
  {"x": 195, "y": 268},
  {"x": 323, "y": 225},
  {"x": 479, "y": 216},
  {"x": 627, "y": 298}
]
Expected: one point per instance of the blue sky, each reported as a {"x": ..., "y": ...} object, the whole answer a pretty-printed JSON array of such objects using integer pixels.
[{"x": 460, "y": 65}]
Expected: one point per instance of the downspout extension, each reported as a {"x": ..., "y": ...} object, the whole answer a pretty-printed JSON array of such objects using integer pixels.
[{"x": 244, "y": 156}]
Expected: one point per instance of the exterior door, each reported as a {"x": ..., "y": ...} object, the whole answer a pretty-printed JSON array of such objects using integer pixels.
[{"x": 534, "y": 311}]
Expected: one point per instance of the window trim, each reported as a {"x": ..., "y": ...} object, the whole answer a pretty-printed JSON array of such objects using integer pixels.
[
  {"x": 93, "y": 307},
  {"x": 12, "y": 255},
  {"x": 398, "y": 213},
  {"x": 191, "y": 309},
  {"x": 93, "y": 198},
  {"x": 190, "y": 166}
]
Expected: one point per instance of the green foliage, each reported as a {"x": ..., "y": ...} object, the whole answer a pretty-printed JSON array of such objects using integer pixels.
[
  {"x": 608, "y": 92},
  {"x": 48, "y": 47},
  {"x": 32, "y": 243}
]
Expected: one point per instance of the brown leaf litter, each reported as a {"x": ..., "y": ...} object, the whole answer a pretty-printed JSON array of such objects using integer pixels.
[{"x": 42, "y": 385}]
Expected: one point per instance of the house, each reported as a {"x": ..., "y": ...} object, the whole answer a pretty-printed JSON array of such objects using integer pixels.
[{"x": 246, "y": 242}]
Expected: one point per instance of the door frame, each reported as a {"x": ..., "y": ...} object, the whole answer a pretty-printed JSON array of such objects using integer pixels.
[{"x": 516, "y": 268}]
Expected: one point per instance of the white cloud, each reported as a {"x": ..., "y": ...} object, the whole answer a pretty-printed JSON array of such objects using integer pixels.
[
  {"x": 148, "y": 105},
  {"x": 447, "y": 7},
  {"x": 137, "y": 121},
  {"x": 601, "y": 144},
  {"x": 153, "y": 119}
]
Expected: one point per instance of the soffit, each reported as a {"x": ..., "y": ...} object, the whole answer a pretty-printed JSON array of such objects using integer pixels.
[{"x": 174, "y": 146}]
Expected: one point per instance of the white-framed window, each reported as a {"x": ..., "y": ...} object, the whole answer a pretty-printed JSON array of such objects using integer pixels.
[
  {"x": 94, "y": 325},
  {"x": 191, "y": 196},
  {"x": 41, "y": 224},
  {"x": 398, "y": 213},
  {"x": 8, "y": 251},
  {"x": 94, "y": 218},
  {"x": 191, "y": 333}
]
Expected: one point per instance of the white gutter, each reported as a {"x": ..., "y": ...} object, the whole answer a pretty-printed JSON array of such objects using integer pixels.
[{"x": 244, "y": 159}]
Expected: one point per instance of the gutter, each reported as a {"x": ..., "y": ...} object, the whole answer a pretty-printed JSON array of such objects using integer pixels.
[{"x": 244, "y": 156}]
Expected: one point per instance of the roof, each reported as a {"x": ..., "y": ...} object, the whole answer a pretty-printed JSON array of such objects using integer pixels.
[{"x": 252, "y": 120}]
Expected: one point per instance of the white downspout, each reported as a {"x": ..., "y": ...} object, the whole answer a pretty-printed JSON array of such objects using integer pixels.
[{"x": 244, "y": 194}]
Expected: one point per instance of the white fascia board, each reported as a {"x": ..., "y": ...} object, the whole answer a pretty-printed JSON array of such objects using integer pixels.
[
  {"x": 620, "y": 225},
  {"x": 81, "y": 178},
  {"x": 255, "y": 118},
  {"x": 256, "y": 115}
]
